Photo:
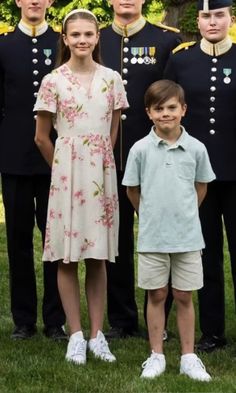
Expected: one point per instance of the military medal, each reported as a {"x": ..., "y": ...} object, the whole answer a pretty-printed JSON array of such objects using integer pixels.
[
  {"x": 152, "y": 51},
  {"x": 227, "y": 72},
  {"x": 146, "y": 59},
  {"x": 140, "y": 53},
  {"x": 134, "y": 52},
  {"x": 47, "y": 53}
]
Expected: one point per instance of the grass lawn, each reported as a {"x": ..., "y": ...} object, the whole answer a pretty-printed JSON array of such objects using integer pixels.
[{"x": 37, "y": 365}]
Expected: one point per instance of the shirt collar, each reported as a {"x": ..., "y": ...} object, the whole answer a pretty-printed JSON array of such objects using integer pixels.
[
  {"x": 217, "y": 49},
  {"x": 31, "y": 30},
  {"x": 181, "y": 142},
  {"x": 130, "y": 29}
]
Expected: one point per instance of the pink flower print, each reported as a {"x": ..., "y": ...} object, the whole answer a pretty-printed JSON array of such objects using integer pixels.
[
  {"x": 52, "y": 214},
  {"x": 47, "y": 93},
  {"x": 60, "y": 215},
  {"x": 75, "y": 234},
  {"x": 78, "y": 195},
  {"x": 109, "y": 206},
  {"x": 67, "y": 233},
  {"x": 53, "y": 190},
  {"x": 86, "y": 244},
  {"x": 71, "y": 111},
  {"x": 63, "y": 179},
  {"x": 108, "y": 89}
]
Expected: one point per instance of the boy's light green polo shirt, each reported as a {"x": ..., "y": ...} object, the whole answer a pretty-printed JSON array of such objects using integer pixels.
[{"x": 168, "y": 211}]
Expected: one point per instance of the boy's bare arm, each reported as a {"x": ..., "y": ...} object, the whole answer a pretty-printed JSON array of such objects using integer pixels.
[
  {"x": 201, "y": 189},
  {"x": 133, "y": 194}
]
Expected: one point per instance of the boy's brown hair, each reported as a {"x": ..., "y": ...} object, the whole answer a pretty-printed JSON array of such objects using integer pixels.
[{"x": 161, "y": 91}]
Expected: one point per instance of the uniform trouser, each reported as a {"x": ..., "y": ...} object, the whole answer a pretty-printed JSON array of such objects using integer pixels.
[
  {"x": 25, "y": 198},
  {"x": 219, "y": 206},
  {"x": 121, "y": 305}
]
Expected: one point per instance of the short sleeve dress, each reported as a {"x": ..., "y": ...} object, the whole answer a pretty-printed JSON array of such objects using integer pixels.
[{"x": 82, "y": 220}]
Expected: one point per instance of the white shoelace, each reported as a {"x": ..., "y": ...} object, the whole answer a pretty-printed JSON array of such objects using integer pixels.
[
  {"x": 102, "y": 348},
  {"x": 152, "y": 359},
  {"x": 78, "y": 348}
]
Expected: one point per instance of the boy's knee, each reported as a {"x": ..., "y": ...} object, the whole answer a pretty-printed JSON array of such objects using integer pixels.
[
  {"x": 183, "y": 297},
  {"x": 157, "y": 295}
]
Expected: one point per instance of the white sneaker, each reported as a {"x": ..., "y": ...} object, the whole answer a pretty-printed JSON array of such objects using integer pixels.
[
  {"x": 99, "y": 347},
  {"x": 76, "y": 348},
  {"x": 193, "y": 367},
  {"x": 154, "y": 366}
]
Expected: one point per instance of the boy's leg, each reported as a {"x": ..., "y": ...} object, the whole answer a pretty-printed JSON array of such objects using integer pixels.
[
  {"x": 186, "y": 271},
  {"x": 153, "y": 275},
  {"x": 156, "y": 317},
  {"x": 185, "y": 319}
]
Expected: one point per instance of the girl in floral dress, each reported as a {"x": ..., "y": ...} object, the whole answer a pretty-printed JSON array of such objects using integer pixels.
[{"x": 82, "y": 99}]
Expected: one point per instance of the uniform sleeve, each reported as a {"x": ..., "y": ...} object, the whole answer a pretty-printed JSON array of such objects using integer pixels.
[
  {"x": 47, "y": 95},
  {"x": 204, "y": 171},
  {"x": 170, "y": 70},
  {"x": 120, "y": 99},
  {"x": 132, "y": 170}
]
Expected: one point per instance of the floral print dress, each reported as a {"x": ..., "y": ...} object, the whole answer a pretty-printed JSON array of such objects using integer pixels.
[{"x": 82, "y": 219}]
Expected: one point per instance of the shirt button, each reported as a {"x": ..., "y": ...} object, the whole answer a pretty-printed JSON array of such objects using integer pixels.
[
  {"x": 35, "y": 61},
  {"x": 213, "y": 88},
  {"x": 125, "y": 82},
  {"x": 126, "y": 39},
  {"x": 123, "y": 117},
  {"x": 35, "y": 117},
  {"x": 125, "y": 71},
  {"x": 126, "y": 49},
  {"x": 214, "y": 60},
  {"x": 212, "y": 99},
  {"x": 125, "y": 60},
  {"x": 35, "y": 83},
  {"x": 34, "y": 40},
  {"x": 213, "y": 78},
  {"x": 35, "y": 72},
  {"x": 212, "y": 109},
  {"x": 212, "y": 132},
  {"x": 35, "y": 94},
  {"x": 35, "y": 50},
  {"x": 212, "y": 121},
  {"x": 214, "y": 69}
]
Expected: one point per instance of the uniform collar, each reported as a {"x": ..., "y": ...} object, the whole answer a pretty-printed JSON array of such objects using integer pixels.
[
  {"x": 33, "y": 31},
  {"x": 130, "y": 29},
  {"x": 181, "y": 141},
  {"x": 216, "y": 49}
]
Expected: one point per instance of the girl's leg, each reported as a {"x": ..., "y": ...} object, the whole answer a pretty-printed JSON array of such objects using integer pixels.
[
  {"x": 95, "y": 284},
  {"x": 68, "y": 285},
  {"x": 156, "y": 317},
  {"x": 185, "y": 319}
]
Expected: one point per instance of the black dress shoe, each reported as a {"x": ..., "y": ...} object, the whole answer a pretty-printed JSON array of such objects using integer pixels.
[
  {"x": 119, "y": 332},
  {"x": 23, "y": 332},
  {"x": 210, "y": 343},
  {"x": 55, "y": 333}
]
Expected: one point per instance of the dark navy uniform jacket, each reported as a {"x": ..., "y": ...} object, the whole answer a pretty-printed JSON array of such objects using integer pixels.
[
  {"x": 211, "y": 100},
  {"x": 117, "y": 52},
  {"x": 22, "y": 66}
]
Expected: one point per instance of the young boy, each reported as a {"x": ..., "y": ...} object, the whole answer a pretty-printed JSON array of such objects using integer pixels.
[{"x": 166, "y": 177}]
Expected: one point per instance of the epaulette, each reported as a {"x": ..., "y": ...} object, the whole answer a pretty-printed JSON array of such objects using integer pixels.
[
  {"x": 165, "y": 27},
  {"x": 184, "y": 45},
  {"x": 6, "y": 29},
  {"x": 57, "y": 28}
]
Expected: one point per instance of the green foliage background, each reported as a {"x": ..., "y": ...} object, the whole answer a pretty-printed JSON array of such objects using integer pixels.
[{"x": 10, "y": 14}]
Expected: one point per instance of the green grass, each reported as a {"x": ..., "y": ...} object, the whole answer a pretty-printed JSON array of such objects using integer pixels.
[{"x": 38, "y": 365}]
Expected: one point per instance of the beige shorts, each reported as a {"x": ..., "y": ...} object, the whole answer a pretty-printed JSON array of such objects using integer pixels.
[{"x": 186, "y": 270}]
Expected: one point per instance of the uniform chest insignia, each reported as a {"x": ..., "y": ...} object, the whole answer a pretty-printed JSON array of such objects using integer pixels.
[
  {"x": 184, "y": 45},
  {"x": 47, "y": 53},
  {"x": 227, "y": 72}
]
